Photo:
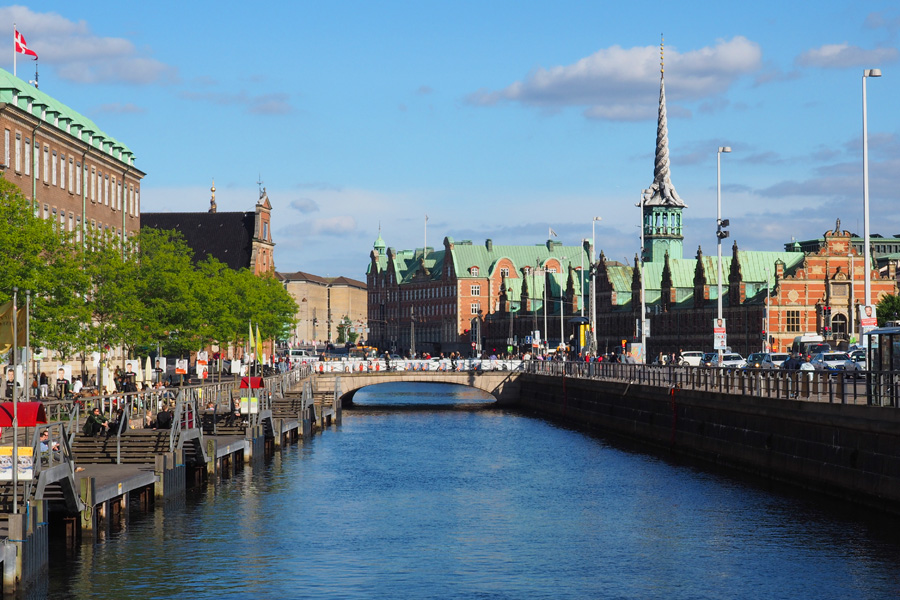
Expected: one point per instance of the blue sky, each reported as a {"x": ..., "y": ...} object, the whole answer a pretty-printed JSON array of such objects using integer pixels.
[{"x": 497, "y": 119}]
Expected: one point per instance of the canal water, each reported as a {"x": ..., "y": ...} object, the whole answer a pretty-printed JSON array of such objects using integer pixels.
[{"x": 427, "y": 492}]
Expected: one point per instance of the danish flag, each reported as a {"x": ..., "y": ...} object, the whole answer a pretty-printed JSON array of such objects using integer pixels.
[{"x": 21, "y": 47}]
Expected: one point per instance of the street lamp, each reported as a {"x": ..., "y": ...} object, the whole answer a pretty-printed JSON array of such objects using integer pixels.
[
  {"x": 866, "y": 252},
  {"x": 593, "y": 284},
  {"x": 720, "y": 232},
  {"x": 562, "y": 306},
  {"x": 645, "y": 196}
]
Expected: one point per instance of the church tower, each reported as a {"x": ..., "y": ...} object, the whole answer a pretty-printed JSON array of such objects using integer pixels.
[{"x": 662, "y": 206}]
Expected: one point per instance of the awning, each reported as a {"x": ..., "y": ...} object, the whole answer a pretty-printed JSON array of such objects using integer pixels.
[
  {"x": 30, "y": 414},
  {"x": 252, "y": 382}
]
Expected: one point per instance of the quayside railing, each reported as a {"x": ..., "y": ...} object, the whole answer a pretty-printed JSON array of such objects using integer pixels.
[{"x": 877, "y": 388}]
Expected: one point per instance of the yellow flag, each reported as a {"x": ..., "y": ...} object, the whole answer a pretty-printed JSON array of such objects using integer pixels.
[
  {"x": 259, "y": 347},
  {"x": 6, "y": 327}
]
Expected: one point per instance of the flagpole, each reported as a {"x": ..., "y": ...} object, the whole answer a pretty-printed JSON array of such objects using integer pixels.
[
  {"x": 15, "y": 456},
  {"x": 27, "y": 342},
  {"x": 14, "y": 49}
]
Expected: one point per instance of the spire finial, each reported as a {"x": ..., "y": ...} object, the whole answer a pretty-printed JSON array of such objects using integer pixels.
[
  {"x": 212, "y": 200},
  {"x": 662, "y": 44}
]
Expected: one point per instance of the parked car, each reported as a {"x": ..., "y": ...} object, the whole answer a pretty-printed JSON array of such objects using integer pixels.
[
  {"x": 779, "y": 357},
  {"x": 829, "y": 361},
  {"x": 729, "y": 360},
  {"x": 692, "y": 358},
  {"x": 857, "y": 362},
  {"x": 761, "y": 360}
]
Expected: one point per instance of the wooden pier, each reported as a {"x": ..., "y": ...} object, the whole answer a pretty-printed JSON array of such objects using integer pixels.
[{"x": 88, "y": 485}]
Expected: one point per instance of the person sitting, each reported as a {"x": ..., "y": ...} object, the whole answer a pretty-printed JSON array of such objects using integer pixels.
[
  {"x": 149, "y": 423},
  {"x": 115, "y": 426},
  {"x": 95, "y": 423},
  {"x": 164, "y": 418},
  {"x": 49, "y": 449}
]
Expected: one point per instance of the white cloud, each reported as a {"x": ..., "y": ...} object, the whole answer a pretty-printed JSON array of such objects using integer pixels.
[
  {"x": 840, "y": 56},
  {"x": 304, "y": 205},
  {"x": 264, "y": 104},
  {"x": 81, "y": 56},
  {"x": 118, "y": 107},
  {"x": 615, "y": 83},
  {"x": 338, "y": 225}
]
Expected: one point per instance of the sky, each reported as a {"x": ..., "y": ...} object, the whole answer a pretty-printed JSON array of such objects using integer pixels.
[{"x": 496, "y": 119}]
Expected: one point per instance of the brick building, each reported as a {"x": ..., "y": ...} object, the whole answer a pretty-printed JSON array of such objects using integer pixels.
[
  {"x": 322, "y": 303},
  {"x": 75, "y": 174},
  {"x": 431, "y": 300},
  {"x": 767, "y": 297}
]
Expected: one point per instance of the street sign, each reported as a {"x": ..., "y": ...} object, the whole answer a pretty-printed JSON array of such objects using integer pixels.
[{"x": 527, "y": 339}]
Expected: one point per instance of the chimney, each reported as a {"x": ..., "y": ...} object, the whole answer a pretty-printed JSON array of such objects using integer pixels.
[{"x": 489, "y": 245}]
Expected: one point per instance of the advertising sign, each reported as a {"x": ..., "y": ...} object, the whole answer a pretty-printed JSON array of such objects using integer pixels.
[
  {"x": 867, "y": 322},
  {"x": 181, "y": 366},
  {"x": 133, "y": 366},
  {"x": 720, "y": 338}
]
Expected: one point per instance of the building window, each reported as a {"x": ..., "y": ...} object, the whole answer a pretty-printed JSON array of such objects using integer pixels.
[
  {"x": 78, "y": 178},
  {"x": 53, "y": 222},
  {"x": 793, "y": 321},
  {"x": 28, "y": 156},
  {"x": 19, "y": 152},
  {"x": 475, "y": 308},
  {"x": 46, "y": 211},
  {"x": 78, "y": 229},
  {"x": 474, "y": 271},
  {"x": 47, "y": 165},
  {"x": 476, "y": 290},
  {"x": 551, "y": 269},
  {"x": 106, "y": 191},
  {"x": 71, "y": 221},
  {"x": 6, "y": 148},
  {"x": 62, "y": 172},
  {"x": 119, "y": 195},
  {"x": 504, "y": 272},
  {"x": 73, "y": 175}
]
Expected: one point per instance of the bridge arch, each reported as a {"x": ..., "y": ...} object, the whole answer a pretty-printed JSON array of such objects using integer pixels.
[{"x": 502, "y": 385}]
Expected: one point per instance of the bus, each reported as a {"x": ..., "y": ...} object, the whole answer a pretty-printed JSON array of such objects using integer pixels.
[
  {"x": 808, "y": 344},
  {"x": 370, "y": 352}
]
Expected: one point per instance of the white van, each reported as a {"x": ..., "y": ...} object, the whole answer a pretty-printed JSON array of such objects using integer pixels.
[
  {"x": 691, "y": 357},
  {"x": 302, "y": 355}
]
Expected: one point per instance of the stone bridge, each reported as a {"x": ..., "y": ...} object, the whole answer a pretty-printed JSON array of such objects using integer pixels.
[{"x": 502, "y": 385}]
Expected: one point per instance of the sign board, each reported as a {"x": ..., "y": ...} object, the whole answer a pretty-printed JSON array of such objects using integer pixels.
[
  {"x": 867, "y": 322},
  {"x": 720, "y": 337},
  {"x": 181, "y": 366},
  {"x": 24, "y": 464},
  {"x": 133, "y": 366},
  {"x": 202, "y": 371}
]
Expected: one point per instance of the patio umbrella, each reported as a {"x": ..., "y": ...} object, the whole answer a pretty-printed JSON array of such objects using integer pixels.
[{"x": 30, "y": 414}]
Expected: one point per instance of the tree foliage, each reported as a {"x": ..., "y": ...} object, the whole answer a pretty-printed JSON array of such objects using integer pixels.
[
  {"x": 104, "y": 291},
  {"x": 888, "y": 309}
]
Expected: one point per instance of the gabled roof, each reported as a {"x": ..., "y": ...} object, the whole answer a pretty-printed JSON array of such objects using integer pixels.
[
  {"x": 226, "y": 236},
  {"x": 333, "y": 281}
]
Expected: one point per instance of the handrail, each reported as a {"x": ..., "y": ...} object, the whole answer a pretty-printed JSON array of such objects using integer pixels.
[{"x": 817, "y": 386}]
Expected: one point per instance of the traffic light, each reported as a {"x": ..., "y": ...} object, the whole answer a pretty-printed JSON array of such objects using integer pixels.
[
  {"x": 623, "y": 343},
  {"x": 720, "y": 229}
]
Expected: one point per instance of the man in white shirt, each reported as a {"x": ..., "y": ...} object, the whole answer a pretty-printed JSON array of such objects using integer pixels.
[{"x": 76, "y": 387}]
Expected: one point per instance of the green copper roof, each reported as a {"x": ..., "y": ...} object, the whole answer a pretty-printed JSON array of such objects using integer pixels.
[
  {"x": 30, "y": 99},
  {"x": 757, "y": 268}
]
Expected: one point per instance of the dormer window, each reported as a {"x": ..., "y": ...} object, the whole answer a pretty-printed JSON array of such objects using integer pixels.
[{"x": 474, "y": 271}]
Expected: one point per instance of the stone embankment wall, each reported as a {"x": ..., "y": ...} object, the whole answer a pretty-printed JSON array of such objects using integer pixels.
[{"x": 848, "y": 452}]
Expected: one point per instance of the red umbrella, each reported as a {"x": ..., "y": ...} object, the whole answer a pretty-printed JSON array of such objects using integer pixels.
[{"x": 30, "y": 414}]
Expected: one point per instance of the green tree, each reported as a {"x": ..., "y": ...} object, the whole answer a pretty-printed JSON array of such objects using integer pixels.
[
  {"x": 345, "y": 333},
  {"x": 168, "y": 311},
  {"x": 888, "y": 309},
  {"x": 37, "y": 258}
]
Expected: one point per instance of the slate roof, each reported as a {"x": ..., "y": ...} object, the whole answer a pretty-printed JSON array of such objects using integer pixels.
[
  {"x": 227, "y": 236},
  {"x": 303, "y": 276}
]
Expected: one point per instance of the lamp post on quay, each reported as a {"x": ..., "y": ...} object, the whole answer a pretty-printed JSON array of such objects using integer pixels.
[
  {"x": 866, "y": 252},
  {"x": 720, "y": 231},
  {"x": 645, "y": 195},
  {"x": 593, "y": 284}
]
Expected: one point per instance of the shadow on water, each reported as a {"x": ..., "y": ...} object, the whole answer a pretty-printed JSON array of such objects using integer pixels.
[{"x": 416, "y": 397}]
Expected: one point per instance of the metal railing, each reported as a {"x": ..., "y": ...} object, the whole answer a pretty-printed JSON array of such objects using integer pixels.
[{"x": 815, "y": 386}]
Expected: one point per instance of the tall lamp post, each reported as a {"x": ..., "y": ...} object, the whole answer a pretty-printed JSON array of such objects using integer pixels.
[
  {"x": 720, "y": 232},
  {"x": 645, "y": 195},
  {"x": 562, "y": 306},
  {"x": 593, "y": 285},
  {"x": 866, "y": 252}
]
